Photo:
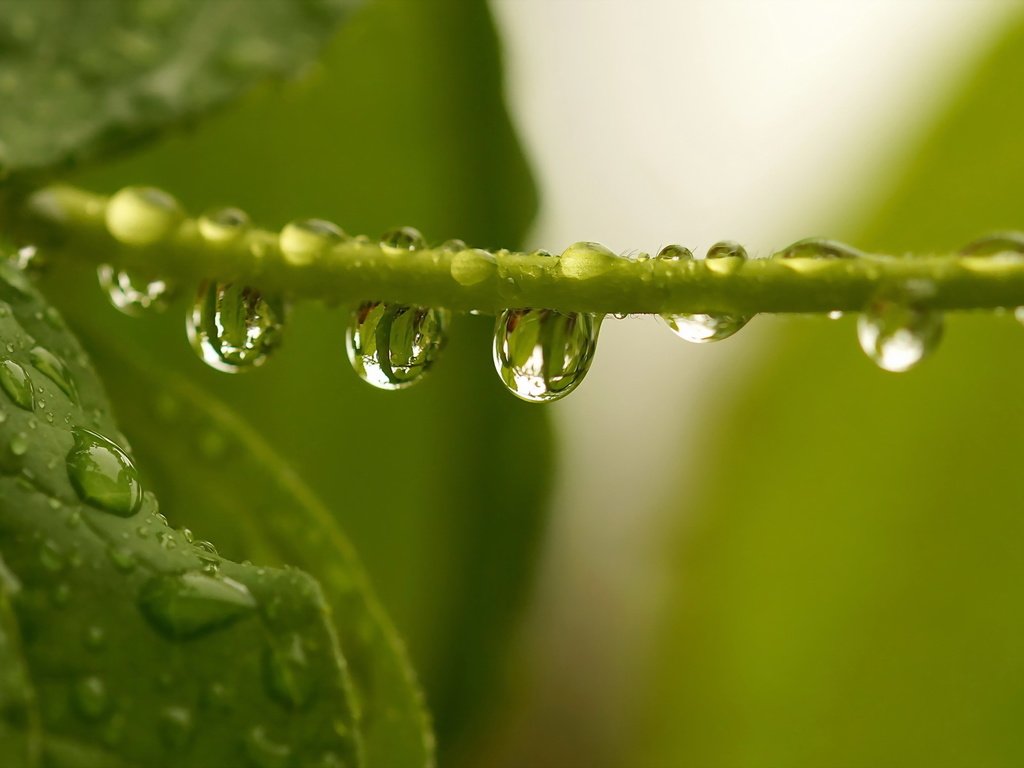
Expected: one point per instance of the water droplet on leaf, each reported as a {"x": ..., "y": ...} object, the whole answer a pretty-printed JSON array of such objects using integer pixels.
[
  {"x": 103, "y": 475},
  {"x": 176, "y": 726},
  {"x": 264, "y": 752},
  {"x": 91, "y": 698},
  {"x": 541, "y": 354},
  {"x": 14, "y": 380},
  {"x": 142, "y": 215},
  {"x": 289, "y": 679},
  {"x": 232, "y": 327},
  {"x": 186, "y": 605},
  {"x": 55, "y": 369},
  {"x": 392, "y": 346}
]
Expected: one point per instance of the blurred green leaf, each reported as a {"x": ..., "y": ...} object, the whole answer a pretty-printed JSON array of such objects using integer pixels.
[
  {"x": 143, "y": 648},
  {"x": 441, "y": 488},
  {"x": 20, "y": 733},
  {"x": 849, "y": 583},
  {"x": 90, "y": 79}
]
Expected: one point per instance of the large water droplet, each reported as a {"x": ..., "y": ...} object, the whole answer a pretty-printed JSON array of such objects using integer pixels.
[
  {"x": 289, "y": 679},
  {"x": 132, "y": 295},
  {"x": 14, "y": 380},
  {"x": 142, "y": 215},
  {"x": 301, "y": 242},
  {"x": 584, "y": 260},
  {"x": 541, "y": 354},
  {"x": 402, "y": 240},
  {"x": 189, "y": 604},
  {"x": 700, "y": 328},
  {"x": 392, "y": 346},
  {"x": 232, "y": 327},
  {"x": 897, "y": 336},
  {"x": 55, "y": 369},
  {"x": 103, "y": 475},
  {"x": 223, "y": 225}
]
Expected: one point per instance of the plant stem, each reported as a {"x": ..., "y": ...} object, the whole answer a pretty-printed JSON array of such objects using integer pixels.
[{"x": 587, "y": 278}]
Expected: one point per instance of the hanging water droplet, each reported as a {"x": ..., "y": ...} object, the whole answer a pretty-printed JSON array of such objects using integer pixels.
[
  {"x": 264, "y": 752},
  {"x": 232, "y": 327},
  {"x": 541, "y": 354},
  {"x": 55, "y": 369},
  {"x": 132, "y": 295},
  {"x": 91, "y": 698},
  {"x": 289, "y": 679},
  {"x": 402, "y": 240},
  {"x": 223, "y": 225},
  {"x": 301, "y": 242},
  {"x": 103, "y": 475},
  {"x": 897, "y": 336},
  {"x": 189, "y": 604},
  {"x": 14, "y": 380},
  {"x": 700, "y": 328},
  {"x": 392, "y": 346},
  {"x": 142, "y": 215}
]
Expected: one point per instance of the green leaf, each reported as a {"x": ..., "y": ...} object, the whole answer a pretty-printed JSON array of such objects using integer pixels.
[
  {"x": 20, "y": 733},
  {"x": 90, "y": 79},
  {"x": 144, "y": 647},
  {"x": 442, "y": 489},
  {"x": 242, "y": 494},
  {"x": 848, "y": 586}
]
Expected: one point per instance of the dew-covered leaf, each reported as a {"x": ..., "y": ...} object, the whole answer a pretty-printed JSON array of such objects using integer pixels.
[
  {"x": 144, "y": 647},
  {"x": 85, "y": 79},
  {"x": 848, "y": 579}
]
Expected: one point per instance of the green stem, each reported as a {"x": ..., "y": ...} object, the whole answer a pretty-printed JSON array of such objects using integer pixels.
[{"x": 586, "y": 278}]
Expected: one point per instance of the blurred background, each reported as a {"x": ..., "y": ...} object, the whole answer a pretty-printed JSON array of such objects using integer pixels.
[{"x": 762, "y": 552}]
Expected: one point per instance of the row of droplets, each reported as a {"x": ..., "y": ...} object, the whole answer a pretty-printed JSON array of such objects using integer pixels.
[{"x": 539, "y": 354}]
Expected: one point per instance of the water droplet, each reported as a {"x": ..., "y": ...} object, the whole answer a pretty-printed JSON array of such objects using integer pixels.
[
  {"x": 699, "y": 328},
  {"x": 835, "y": 314},
  {"x": 996, "y": 243},
  {"x": 584, "y": 260},
  {"x": 95, "y": 638},
  {"x": 176, "y": 726},
  {"x": 453, "y": 246},
  {"x": 818, "y": 248},
  {"x": 232, "y": 327},
  {"x": 28, "y": 258},
  {"x": 55, "y": 370},
  {"x": 897, "y": 336},
  {"x": 122, "y": 558},
  {"x": 142, "y": 215},
  {"x": 301, "y": 242},
  {"x": 541, "y": 354},
  {"x": 392, "y": 346},
  {"x": 264, "y": 752},
  {"x": 289, "y": 679},
  {"x": 186, "y": 605},
  {"x": 19, "y": 444},
  {"x": 470, "y": 267},
  {"x": 50, "y": 556},
  {"x": 223, "y": 225},
  {"x": 132, "y": 295},
  {"x": 14, "y": 380},
  {"x": 91, "y": 698},
  {"x": 402, "y": 240},
  {"x": 103, "y": 475}
]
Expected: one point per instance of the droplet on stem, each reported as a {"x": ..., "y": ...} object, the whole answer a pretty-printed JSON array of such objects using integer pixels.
[{"x": 700, "y": 328}]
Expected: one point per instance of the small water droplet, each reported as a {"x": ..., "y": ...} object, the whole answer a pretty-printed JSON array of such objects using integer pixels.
[
  {"x": 14, "y": 380},
  {"x": 470, "y": 267},
  {"x": 142, "y": 215},
  {"x": 584, "y": 260},
  {"x": 233, "y": 327},
  {"x": 176, "y": 727},
  {"x": 699, "y": 328},
  {"x": 453, "y": 246},
  {"x": 95, "y": 638},
  {"x": 91, "y": 698},
  {"x": 55, "y": 369},
  {"x": 301, "y": 242},
  {"x": 131, "y": 295},
  {"x": 835, "y": 314},
  {"x": 897, "y": 336},
  {"x": 186, "y": 605},
  {"x": 122, "y": 558},
  {"x": 19, "y": 444},
  {"x": 50, "y": 556},
  {"x": 223, "y": 225},
  {"x": 289, "y": 679},
  {"x": 541, "y": 354},
  {"x": 103, "y": 475},
  {"x": 264, "y": 752},
  {"x": 392, "y": 346},
  {"x": 402, "y": 240}
]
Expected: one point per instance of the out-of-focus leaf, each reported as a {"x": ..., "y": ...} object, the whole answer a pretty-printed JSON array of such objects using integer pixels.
[
  {"x": 20, "y": 733},
  {"x": 142, "y": 647},
  {"x": 849, "y": 580},
  {"x": 442, "y": 488},
  {"x": 80, "y": 80}
]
